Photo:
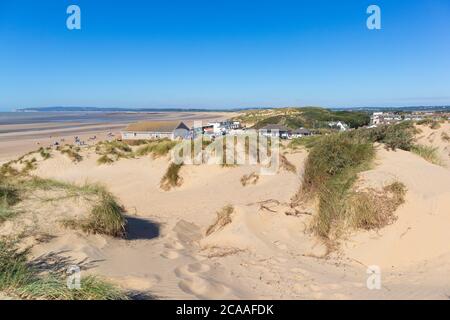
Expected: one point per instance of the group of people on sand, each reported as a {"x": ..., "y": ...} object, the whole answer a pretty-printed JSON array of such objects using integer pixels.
[{"x": 77, "y": 140}]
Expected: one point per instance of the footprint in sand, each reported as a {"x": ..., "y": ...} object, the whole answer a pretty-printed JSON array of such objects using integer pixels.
[
  {"x": 193, "y": 284},
  {"x": 170, "y": 254},
  {"x": 280, "y": 245},
  {"x": 203, "y": 289},
  {"x": 174, "y": 244},
  {"x": 191, "y": 269}
]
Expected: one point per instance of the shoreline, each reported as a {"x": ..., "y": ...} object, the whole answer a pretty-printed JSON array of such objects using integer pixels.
[{"x": 18, "y": 139}]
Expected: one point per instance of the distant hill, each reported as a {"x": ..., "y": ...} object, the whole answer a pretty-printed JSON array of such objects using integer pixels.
[
  {"x": 308, "y": 117},
  {"x": 96, "y": 109}
]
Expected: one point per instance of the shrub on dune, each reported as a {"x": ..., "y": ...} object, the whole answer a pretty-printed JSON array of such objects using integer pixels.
[
  {"x": 330, "y": 171},
  {"x": 398, "y": 136},
  {"x": 335, "y": 157}
]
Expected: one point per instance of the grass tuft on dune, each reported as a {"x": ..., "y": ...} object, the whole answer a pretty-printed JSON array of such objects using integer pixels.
[
  {"x": 20, "y": 278},
  {"x": 157, "y": 148},
  {"x": 372, "y": 209},
  {"x": 106, "y": 216},
  {"x": 44, "y": 152},
  {"x": 223, "y": 219},
  {"x": 111, "y": 151},
  {"x": 9, "y": 196},
  {"x": 330, "y": 171},
  {"x": 285, "y": 164},
  {"x": 104, "y": 159},
  {"x": 171, "y": 178},
  {"x": 429, "y": 153},
  {"x": 248, "y": 179},
  {"x": 72, "y": 152}
]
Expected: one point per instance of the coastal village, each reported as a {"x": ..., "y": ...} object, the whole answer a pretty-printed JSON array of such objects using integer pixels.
[{"x": 175, "y": 130}]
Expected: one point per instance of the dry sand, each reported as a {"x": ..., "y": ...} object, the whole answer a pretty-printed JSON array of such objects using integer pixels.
[
  {"x": 437, "y": 138},
  {"x": 263, "y": 253}
]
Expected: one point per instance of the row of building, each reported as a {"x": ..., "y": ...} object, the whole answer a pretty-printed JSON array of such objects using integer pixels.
[
  {"x": 174, "y": 130},
  {"x": 381, "y": 118}
]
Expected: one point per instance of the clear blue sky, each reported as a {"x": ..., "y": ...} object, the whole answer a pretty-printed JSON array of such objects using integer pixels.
[{"x": 224, "y": 53}]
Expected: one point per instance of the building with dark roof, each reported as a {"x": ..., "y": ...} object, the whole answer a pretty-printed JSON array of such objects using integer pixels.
[{"x": 149, "y": 130}]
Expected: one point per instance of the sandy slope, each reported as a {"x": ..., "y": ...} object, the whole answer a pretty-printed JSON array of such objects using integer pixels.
[
  {"x": 421, "y": 232},
  {"x": 262, "y": 253},
  {"x": 437, "y": 138}
]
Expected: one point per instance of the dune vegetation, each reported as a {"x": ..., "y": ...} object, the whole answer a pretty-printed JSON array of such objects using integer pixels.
[
  {"x": 157, "y": 148},
  {"x": 9, "y": 196},
  {"x": 72, "y": 152},
  {"x": 106, "y": 216},
  {"x": 171, "y": 178},
  {"x": 45, "y": 153},
  {"x": 23, "y": 279},
  {"x": 330, "y": 171},
  {"x": 433, "y": 124},
  {"x": 223, "y": 218},
  {"x": 248, "y": 179},
  {"x": 286, "y": 165},
  {"x": 307, "y": 117},
  {"x": 373, "y": 209},
  {"x": 332, "y": 168},
  {"x": 429, "y": 153},
  {"x": 111, "y": 151}
]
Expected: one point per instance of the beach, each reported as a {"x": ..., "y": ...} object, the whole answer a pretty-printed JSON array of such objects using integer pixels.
[{"x": 25, "y": 132}]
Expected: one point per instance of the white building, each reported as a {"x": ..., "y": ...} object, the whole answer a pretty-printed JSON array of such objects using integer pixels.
[
  {"x": 149, "y": 130},
  {"x": 342, "y": 126}
]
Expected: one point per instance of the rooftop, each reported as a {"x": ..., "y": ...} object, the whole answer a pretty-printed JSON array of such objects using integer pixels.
[
  {"x": 156, "y": 126},
  {"x": 275, "y": 127}
]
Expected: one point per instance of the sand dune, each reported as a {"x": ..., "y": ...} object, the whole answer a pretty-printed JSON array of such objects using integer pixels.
[
  {"x": 261, "y": 252},
  {"x": 420, "y": 233},
  {"x": 437, "y": 138}
]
